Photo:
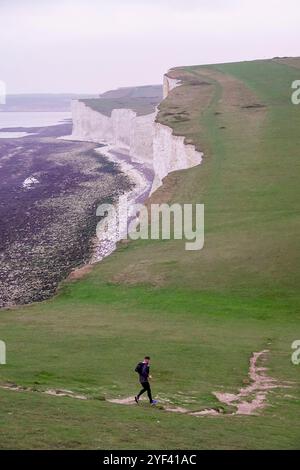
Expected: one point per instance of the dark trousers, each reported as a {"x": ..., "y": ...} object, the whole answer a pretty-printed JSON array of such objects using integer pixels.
[{"x": 146, "y": 388}]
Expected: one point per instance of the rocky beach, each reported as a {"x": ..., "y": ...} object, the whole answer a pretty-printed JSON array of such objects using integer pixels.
[{"x": 50, "y": 189}]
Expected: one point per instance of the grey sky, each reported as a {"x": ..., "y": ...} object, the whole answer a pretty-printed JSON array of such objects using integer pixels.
[{"x": 94, "y": 45}]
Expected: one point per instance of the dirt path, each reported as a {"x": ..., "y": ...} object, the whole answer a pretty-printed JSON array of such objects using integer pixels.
[
  {"x": 247, "y": 401},
  {"x": 54, "y": 392},
  {"x": 253, "y": 397}
]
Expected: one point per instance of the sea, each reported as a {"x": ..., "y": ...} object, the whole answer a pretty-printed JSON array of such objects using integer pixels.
[{"x": 13, "y": 124}]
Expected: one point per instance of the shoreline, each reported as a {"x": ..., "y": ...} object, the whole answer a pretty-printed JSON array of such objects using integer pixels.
[{"x": 142, "y": 178}]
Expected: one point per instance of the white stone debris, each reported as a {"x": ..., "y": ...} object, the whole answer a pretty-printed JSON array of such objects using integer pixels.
[{"x": 30, "y": 182}]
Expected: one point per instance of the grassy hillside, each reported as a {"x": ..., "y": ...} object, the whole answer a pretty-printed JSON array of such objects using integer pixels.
[
  {"x": 143, "y": 100},
  {"x": 200, "y": 315}
]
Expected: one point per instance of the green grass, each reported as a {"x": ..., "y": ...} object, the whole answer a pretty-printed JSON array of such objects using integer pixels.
[
  {"x": 200, "y": 315},
  {"x": 199, "y": 345}
]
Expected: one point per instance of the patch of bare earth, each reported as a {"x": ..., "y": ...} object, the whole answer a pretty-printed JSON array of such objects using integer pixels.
[
  {"x": 53, "y": 392},
  {"x": 123, "y": 401},
  {"x": 290, "y": 61},
  {"x": 79, "y": 273},
  {"x": 138, "y": 273}
]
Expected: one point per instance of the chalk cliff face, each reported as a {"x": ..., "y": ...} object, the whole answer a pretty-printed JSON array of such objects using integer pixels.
[
  {"x": 170, "y": 153},
  {"x": 142, "y": 136},
  {"x": 169, "y": 84},
  {"x": 123, "y": 129},
  {"x": 145, "y": 140}
]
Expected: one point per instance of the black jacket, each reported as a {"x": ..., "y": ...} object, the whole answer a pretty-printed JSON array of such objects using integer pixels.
[{"x": 143, "y": 370}]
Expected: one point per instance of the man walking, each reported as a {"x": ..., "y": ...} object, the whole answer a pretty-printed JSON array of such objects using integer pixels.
[{"x": 143, "y": 369}]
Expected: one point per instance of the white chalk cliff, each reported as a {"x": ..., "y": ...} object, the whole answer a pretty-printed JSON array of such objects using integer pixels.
[
  {"x": 169, "y": 84},
  {"x": 145, "y": 140}
]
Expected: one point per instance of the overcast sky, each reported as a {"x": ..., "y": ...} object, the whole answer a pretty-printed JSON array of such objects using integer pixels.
[{"x": 94, "y": 45}]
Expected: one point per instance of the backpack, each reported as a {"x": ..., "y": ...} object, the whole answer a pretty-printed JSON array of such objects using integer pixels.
[{"x": 139, "y": 368}]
